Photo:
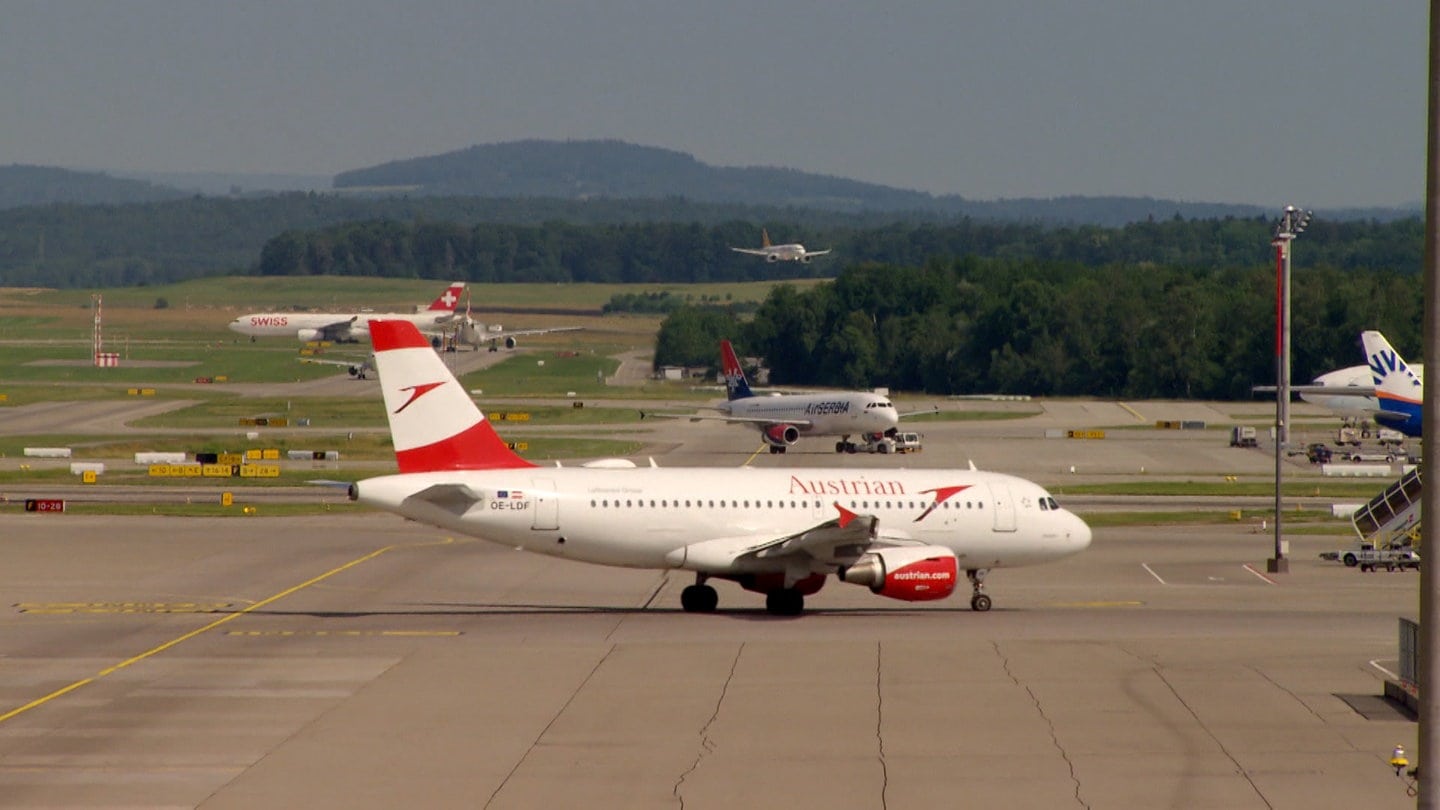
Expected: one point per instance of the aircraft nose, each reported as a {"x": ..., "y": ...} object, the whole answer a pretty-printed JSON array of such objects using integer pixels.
[
  {"x": 235, "y": 325},
  {"x": 1080, "y": 535}
]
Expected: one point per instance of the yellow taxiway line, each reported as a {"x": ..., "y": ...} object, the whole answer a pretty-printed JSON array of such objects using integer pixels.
[{"x": 153, "y": 651}]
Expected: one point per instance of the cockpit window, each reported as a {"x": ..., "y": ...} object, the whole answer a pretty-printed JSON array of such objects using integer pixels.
[{"x": 1051, "y": 501}]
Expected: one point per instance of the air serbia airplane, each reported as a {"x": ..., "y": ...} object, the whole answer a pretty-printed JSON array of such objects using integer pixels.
[
  {"x": 792, "y": 252},
  {"x": 349, "y": 327},
  {"x": 905, "y": 534},
  {"x": 783, "y": 418}
]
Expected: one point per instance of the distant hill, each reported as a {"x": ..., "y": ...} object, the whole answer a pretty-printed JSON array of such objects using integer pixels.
[
  {"x": 40, "y": 185},
  {"x": 591, "y": 169}
]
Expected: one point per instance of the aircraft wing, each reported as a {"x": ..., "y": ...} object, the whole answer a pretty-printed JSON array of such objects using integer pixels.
[
  {"x": 838, "y": 541},
  {"x": 751, "y": 251},
  {"x": 454, "y": 499},
  {"x": 339, "y": 330},
  {"x": 817, "y": 252},
  {"x": 921, "y": 412},
  {"x": 739, "y": 420},
  {"x": 1323, "y": 390},
  {"x": 520, "y": 332}
]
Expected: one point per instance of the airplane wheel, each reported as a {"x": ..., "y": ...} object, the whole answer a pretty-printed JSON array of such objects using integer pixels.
[
  {"x": 1350, "y": 560},
  {"x": 787, "y": 602},
  {"x": 979, "y": 603},
  {"x": 839, "y": 447},
  {"x": 699, "y": 599}
]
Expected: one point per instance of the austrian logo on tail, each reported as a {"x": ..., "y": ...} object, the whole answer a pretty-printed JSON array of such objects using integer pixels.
[
  {"x": 417, "y": 391},
  {"x": 942, "y": 494}
]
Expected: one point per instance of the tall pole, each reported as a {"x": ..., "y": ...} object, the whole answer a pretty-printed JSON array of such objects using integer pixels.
[
  {"x": 1278, "y": 564},
  {"x": 1427, "y": 760},
  {"x": 1292, "y": 223}
]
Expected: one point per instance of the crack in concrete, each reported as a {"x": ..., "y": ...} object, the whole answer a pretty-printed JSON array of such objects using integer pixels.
[
  {"x": 1212, "y": 736},
  {"x": 1050, "y": 724},
  {"x": 546, "y": 730},
  {"x": 707, "y": 745},
  {"x": 880, "y": 724}
]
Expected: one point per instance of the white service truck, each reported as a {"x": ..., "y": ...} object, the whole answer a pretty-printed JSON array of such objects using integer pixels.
[
  {"x": 1370, "y": 558},
  {"x": 880, "y": 443}
]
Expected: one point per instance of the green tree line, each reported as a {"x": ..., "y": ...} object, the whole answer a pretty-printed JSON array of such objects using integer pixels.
[
  {"x": 669, "y": 240},
  {"x": 1053, "y": 328}
]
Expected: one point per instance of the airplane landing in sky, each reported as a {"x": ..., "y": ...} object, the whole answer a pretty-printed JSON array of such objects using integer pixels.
[
  {"x": 791, "y": 252},
  {"x": 905, "y": 534}
]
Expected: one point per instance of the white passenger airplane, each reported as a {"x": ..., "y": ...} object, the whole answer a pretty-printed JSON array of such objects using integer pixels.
[
  {"x": 904, "y": 534},
  {"x": 1350, "y": 392},
  {"x": 780, "y": 253},
  {"x": 783, "y": 418},
  {"x": 349, "y": 327}
]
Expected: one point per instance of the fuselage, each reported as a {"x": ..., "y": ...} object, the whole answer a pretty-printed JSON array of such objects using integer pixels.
[
  {"x": 347, "y": 326},
  {"x": 1350, "y": 407},
  {"x": 646, "y": 517},
  {"x": 833, "y": 414}
]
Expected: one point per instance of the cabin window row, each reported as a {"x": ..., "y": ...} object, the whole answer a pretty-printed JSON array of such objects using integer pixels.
[{"x": 746, "y": 504}]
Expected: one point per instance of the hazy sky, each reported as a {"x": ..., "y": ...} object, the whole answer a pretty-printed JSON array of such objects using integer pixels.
[{"x": 1320, "y": 104}]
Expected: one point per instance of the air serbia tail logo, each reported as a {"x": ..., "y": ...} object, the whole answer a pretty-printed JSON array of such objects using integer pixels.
[
  {"x": 417, "y": 391},
  {"x": 942, "y": 494}
]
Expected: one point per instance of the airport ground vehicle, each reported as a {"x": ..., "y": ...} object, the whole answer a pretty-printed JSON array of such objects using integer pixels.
[
  {"x": 1318, "y": 453},
  {"x": 908, "y": 443},
  {"x": 1243, "y": 436},
  {"x": 1369, "y": 558}
]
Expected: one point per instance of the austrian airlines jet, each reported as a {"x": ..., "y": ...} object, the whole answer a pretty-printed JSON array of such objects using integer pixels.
[
  {"x": 904, "y": 534},
  {"x": 783, "y": 418},
  {"x": 780, "y": 253},
  {"x": 350, "y": 327}
]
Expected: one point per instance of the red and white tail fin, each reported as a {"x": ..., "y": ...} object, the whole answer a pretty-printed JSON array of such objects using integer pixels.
[
  {"x": 449, "y": 299},
  {"x": 433, "y": 422},
  {"x": 764, "y": 238},
  {"x": 736, "y": 386}
]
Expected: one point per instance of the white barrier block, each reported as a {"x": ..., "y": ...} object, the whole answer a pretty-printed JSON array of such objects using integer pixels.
[
  {"x": 1344, "y": 510},
  {"x": 161, "y": 458},
  {"x": 1356, "y": 470},
  {"x": 47, "y": 452},
  {"x": 81, "y": 467}
]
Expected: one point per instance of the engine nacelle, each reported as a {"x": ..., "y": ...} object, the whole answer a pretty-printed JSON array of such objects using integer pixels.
[
  {"x": 772, "y": 257},
  {"x": 781, "y": 435},
  {"x": 510, "y": 343},
  {"x": 308, "y": 335},
  {"x": 911, "y": 573}
]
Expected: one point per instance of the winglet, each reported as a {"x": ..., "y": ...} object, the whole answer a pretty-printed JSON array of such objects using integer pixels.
[
  {"x": 433, "y": 422},
  {"x": 736, "y": 387},
  {"x": 845, "y": 515}
]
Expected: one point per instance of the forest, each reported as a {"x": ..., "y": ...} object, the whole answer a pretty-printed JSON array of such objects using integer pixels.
[{"x": 1053, "y": 328}]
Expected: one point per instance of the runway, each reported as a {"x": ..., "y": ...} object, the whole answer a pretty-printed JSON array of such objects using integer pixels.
[{"x": 357, "y": 660}]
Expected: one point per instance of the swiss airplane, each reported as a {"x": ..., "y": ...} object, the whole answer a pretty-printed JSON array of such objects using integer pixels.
[
  {"x": 904, "y": 534},
  {"x": 793, "y": 252},
  {"x": 783, "y": 418},
  {"x": 350, "y": 327}
]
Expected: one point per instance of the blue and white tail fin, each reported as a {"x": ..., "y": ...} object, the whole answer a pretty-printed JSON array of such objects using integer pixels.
[
  {"x": 433, "y": 422},
  {"x": 1399, "y": 390},
  {"x": 736, "y": 387}
]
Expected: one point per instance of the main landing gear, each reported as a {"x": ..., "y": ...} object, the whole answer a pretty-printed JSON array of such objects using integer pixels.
[
  {"x": 979, "y": 602},
  {"x": 785, "y": 602},
  {"x": 699, "y": 598},
  {"x": 845, "y": 445}
]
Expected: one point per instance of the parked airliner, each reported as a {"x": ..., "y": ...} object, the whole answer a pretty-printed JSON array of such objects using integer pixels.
[
  {"x": 783, "y": 418},
  {"x": 1351, "y": 392},
  {"x": 780, "y": 253},
  {"x": 1399, "y": 388},
  {"x": 904, "y": 534},
  {"x": 349, "y": 327}
]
